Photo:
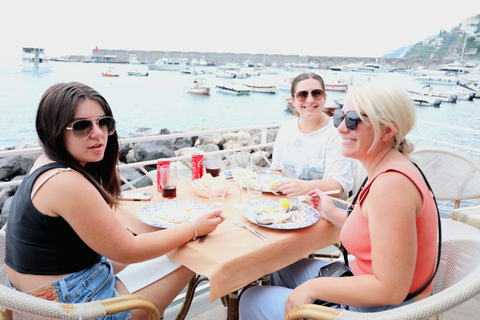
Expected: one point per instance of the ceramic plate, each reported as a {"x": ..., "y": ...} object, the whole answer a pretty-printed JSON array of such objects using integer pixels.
[
  {"x": 167, "y": 214},
  {"x": 267, "y": 179},
  {"x": 309, "y": 215}
]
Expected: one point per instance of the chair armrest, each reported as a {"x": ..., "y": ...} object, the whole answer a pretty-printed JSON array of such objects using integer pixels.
[
  {"x": 313, "y": 311},
  {"x": 468, "y": 215},
  {"x": 129, "y": 302}
]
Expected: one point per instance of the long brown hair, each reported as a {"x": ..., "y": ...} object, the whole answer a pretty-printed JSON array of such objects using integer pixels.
[{"x": 56, "y": 110}]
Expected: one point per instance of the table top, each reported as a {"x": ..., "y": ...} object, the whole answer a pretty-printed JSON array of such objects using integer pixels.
[{"x": 232, "y": 257}]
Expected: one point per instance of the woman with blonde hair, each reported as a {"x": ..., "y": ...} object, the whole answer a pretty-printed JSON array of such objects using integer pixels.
[{"x": 391, "y": 231}]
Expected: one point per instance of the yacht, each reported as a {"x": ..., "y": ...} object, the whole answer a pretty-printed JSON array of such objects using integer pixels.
[
  {"x": 169, "y": 64},
  {"x": 35, "y": 60}
]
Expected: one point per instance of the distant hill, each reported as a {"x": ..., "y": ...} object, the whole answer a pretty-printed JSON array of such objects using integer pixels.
[{"x": 445, "y": 45}]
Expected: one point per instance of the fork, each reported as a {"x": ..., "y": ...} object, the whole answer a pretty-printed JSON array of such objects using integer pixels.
[{"x": 241, "y": 225}]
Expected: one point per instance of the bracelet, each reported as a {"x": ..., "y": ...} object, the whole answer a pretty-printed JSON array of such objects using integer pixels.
[{"x": 194, "y": 228}]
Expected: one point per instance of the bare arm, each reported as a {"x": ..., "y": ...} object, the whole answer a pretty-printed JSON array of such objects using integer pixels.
[
  {"x": 392, "y": 225},
  {"x": 80, "y": 204}
]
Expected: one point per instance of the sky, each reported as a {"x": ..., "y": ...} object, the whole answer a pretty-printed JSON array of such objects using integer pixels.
[{"x": 369, "y": 28}]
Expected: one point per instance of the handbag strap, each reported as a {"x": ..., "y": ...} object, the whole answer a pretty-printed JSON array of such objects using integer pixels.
[{"x": 352, "y": 205}]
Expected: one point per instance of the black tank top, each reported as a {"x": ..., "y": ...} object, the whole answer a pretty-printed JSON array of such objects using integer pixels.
[{"x": 41, "y": 244}]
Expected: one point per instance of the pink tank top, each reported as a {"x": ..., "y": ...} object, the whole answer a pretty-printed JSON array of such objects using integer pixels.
[{"x": 355, "y": 234}]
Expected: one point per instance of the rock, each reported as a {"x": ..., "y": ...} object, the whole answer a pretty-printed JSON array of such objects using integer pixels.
[
  {"x": 5, "y": 212},
  {"x": 9, "y": 167},
  {"x": 130, "y": 157},
  {"x": 236, "y": 139},
  {"x": 143, "y": 132},
  {"x": 208, "y": 148},
  {"x": 184, "y": 142},
  {"x": 258, "y": 158},
  {"x": 131, "y": 173},
  {"x": 139, "y": 182}
]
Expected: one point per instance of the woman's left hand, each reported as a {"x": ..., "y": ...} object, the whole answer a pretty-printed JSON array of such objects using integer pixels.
[{"x": 294, "y": 187}]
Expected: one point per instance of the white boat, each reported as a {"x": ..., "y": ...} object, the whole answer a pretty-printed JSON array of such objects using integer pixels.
[
  {"x": 438, "y": 79},
  {"x": 422, "y": 100},
  {"x": 199, "y": 87},
  {"x": 286, "y": 84},
  {"x": 240, "y": 74},
  {"x": 138, "y": 72},
  {"x": 189, "y": 70},
  {"x": 233, "y": 88},
  {"x": 261, "y": 88},
  {"x": 429, "y": 91},
  {"x": 168, "y": 64},
  {"x": 229, "y": 66},
  {"x": 133, "y": 59},
  {"x": 338, "y": 86},
  {"x": 224, "y": 74},
  {"x": 35, "y": 60}
]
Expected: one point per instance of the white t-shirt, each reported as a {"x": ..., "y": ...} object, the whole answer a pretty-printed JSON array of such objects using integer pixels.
[{"x": 314, "y": 156}]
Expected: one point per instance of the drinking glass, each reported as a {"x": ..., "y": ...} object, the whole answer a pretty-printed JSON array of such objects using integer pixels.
[
  {"x": 216, "y": 197},
  {"x": 241, "y": 167},
  {"x": 213, "y": 164},
  {"x": 169, "y": 180},
  {"x": 254, "y": 191}
]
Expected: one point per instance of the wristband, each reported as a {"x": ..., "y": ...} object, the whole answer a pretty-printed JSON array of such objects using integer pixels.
[{"x": 194, "y": 228}]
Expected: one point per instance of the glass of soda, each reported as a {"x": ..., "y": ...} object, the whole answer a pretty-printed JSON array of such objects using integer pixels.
[
  {"x": 169, "y": 180},
  {"x": 213, "y": 164}
]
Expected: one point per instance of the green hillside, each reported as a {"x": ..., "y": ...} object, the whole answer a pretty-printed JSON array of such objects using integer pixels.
[{"x": 448, "y": 45}]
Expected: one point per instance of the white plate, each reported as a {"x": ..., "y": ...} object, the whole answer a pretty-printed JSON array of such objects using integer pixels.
[
  {"x": 267, "y": 179},
  {"x": 167, "y": 214},
  {"x": 310, "y": 215}
]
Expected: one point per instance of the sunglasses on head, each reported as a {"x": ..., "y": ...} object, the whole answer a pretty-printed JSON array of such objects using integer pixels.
[
  {"x": 317, "y": 94},
  {"x": 83, "y": 128},
  {"x": 351, "y": 119}
]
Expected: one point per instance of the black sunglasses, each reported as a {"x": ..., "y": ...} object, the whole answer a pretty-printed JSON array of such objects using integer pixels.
[
  {"x": 83, "y": 128},
  {"x": 317, "y": 94},
  {"x": 351, "y": 119}
]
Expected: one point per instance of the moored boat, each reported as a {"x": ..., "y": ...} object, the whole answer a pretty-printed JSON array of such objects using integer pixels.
[
  {"x": 110, "y": 72},
  {"x": 168, "y": 64},
  {"x": 138, "y": 72},
  {"x": 233, "y": 88},
  {"x": 35, "y": 60},
  {"x": 261, "y": 88},
  {"x": 338, "y": 86},
  {"x": 422, "y": 100},
  {"x": 199, "y": 87}
]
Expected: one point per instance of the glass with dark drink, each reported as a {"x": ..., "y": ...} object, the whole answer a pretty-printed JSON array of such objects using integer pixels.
[
  {"x": 213, "y": 164},
  {"x": 168, "y": 180}
]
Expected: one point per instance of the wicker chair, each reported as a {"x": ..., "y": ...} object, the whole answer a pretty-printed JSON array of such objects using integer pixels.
[
  {"x": 457, "y": 280},
  {"x": 452, "y": 174},
  {"x": 23, "y": 306}
]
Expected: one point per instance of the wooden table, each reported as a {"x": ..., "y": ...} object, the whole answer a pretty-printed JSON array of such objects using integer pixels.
[{"x": 233, "y": 257}]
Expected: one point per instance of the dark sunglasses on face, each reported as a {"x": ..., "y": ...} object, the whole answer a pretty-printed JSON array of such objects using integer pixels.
[
  {"x": 351, "y": 119},
  {"x": 317, "y": 94},
  {"x": 83, "y": 128}
]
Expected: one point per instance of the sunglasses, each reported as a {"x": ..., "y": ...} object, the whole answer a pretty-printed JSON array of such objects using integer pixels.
[
  {"x": 83, "y": 128},
  {"x": 317, "y": 94},
  {"x": 351, "y": 119}
]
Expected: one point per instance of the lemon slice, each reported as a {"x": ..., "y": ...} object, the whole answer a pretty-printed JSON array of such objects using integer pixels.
[{"x": 284, "y": 203}]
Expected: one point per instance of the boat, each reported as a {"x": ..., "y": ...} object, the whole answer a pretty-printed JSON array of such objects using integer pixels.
[
  {"x": 286, "y": 84},
  {"x": 429, "y": 91},
  {"x": 199, "y": 87},
  {"x": 223, "y": 74},
  {"x": 35, "y": 60},
  {"x": 133, "y": 59},
  {"x": 422, "y": 100},
  {"x": 138, "y": 72},
  {"x": 169, "y": 64},
  {"x": 189, "y": 70},
  {"x": 338, "y": 86},
  {"x": 233, "y": 88},
  {"x": 261, "y": 88},
  {"x": 110, "y": 72}
]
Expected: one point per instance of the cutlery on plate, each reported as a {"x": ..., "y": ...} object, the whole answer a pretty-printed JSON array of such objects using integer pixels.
[{"x": 241, "y": 225}]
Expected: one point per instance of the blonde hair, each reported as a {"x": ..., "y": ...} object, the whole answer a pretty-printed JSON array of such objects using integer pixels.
[{"x": 386, "y": 104}]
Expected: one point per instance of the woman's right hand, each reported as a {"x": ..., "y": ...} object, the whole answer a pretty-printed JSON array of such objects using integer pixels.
[
  {"x": 208, "y": 222},
  {"x": 324, "y": 204}
]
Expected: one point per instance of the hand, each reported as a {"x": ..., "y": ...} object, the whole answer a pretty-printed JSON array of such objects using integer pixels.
[
  {"x": 294, "y": 187},
  {"x": 208, "y": 222},
  {"x": 324, "y": 204},
  {"x": 300, "y": 295}
]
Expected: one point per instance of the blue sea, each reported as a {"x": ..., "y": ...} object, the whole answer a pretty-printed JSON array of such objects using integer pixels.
[{"x": 161, "y": 101}]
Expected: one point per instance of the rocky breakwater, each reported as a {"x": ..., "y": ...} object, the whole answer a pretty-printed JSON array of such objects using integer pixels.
[{"x": 15, "y": 167}]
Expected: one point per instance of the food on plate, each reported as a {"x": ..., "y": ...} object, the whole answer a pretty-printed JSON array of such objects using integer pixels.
[
  {"x": 284, "y": 203},
  {"x": 274, "y": 214},
  {"x": 177, "y": 215},
  {"x": 207, "y": 181}
]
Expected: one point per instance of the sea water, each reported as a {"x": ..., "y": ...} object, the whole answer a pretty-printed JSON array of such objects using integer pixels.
[{"x": 161, "y": 100}]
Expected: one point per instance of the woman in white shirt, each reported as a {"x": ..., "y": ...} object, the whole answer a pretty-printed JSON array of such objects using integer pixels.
[{"x": 308, "y": 148}]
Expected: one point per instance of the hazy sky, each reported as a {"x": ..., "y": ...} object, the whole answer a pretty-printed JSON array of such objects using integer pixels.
[{"x": 304, "y": 27}]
